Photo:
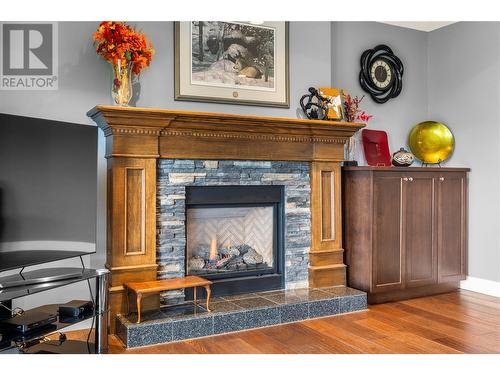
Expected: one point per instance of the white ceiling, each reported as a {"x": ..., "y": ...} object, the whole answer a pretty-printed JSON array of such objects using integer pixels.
[{"x": 422, "y": 26}]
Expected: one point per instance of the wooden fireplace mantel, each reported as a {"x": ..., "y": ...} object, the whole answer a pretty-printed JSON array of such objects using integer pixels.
[
  {"x": 160, "y": 133},
  {"x": 136, "y": 137}
]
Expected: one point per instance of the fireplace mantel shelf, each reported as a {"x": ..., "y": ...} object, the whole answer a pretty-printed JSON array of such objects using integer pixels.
[
  {"x": 201, "y": 135},
  {"x": 137, "y": 137}
]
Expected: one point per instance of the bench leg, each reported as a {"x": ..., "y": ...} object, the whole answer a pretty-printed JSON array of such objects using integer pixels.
[
  {"x": 194, "y": 296},
  {"x": 209, "y": 292},
  {"x": 139, "y": 297}
]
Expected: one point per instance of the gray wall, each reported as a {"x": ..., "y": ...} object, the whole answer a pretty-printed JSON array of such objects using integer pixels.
[
  {"x": 398, "y": 115},
  {"x": 464, "y": 92}
]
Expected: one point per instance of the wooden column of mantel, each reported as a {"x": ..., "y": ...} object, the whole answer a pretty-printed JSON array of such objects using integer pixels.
[{"x": 136, "y": 137}]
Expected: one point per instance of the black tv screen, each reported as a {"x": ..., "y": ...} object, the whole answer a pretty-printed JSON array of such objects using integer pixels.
[{"x": 48, "y": 185}]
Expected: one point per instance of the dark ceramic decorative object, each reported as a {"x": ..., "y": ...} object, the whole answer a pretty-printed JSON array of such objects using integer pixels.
[
  {"x": 402, "y": 158},
  {"x": 312, "y": 105}
]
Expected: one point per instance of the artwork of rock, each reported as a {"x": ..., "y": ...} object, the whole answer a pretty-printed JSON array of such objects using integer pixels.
[{"x": 229, "y": 259}]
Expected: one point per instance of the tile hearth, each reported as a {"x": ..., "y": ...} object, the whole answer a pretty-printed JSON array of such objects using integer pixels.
[{"x": 236, "y": 313}]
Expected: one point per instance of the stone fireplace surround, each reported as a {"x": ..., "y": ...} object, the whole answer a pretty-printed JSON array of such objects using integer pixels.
[
  {"x": 173, "y": 175},
  {"x": 137, "y": 138}
]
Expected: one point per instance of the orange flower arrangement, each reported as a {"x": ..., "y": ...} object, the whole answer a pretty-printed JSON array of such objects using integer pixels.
[
  {"x": 117, "y": 43},
  {"x": 127, "y": 51}
]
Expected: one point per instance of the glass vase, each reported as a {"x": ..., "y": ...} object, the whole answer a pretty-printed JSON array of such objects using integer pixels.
[{"x": 121, "y": 85}]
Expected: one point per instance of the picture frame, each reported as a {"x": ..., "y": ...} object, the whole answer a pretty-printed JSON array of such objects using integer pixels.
[{"x": 240, "y": 62}]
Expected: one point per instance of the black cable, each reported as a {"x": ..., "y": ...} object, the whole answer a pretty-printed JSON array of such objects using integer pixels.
[{"x": 88, "y": 336}]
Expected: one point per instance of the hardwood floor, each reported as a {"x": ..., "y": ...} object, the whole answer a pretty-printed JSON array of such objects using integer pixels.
[{"x": 459, "y": 322}]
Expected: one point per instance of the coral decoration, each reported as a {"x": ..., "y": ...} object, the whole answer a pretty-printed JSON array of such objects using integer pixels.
[
  {"x": 119, "y": 43},
  {"x": 364, "y": 117},
  {"x": 353, "y": 113}
]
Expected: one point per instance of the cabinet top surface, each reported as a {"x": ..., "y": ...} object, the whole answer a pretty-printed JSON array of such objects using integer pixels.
[{"x": 405, "y": 169}]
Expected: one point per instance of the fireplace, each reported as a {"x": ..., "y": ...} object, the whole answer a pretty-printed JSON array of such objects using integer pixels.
[
  {"x": 235, "y": 237},
  {"x": 154, "y": 154},
  {"x": 245, "y": 225}
]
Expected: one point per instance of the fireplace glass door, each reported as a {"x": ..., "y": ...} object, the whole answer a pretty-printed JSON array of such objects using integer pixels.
[{"x": 227, "y": 240}]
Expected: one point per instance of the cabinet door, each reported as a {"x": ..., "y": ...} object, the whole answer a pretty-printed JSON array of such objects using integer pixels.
[
  {"x": 419, "y": 223},
  {"x": 387, "y": 232},
  {"x": 451, "y": 200}
]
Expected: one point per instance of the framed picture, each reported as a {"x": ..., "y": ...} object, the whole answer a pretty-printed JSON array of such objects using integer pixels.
[{"x": 232, "y": 62}]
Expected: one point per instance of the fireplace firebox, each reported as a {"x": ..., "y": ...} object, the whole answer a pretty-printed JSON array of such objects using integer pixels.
[{"x": 235, "y": 237}]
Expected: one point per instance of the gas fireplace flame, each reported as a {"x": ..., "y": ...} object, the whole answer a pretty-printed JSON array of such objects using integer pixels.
[{"x": 213, "y": 250}]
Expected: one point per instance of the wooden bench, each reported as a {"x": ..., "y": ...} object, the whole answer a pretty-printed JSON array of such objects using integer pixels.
[{"x": 148, "y": 287}]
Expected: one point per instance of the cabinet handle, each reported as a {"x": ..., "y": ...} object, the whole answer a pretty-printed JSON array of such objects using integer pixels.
[
  {"x": 405, "y": 178},
  {"x": 441, "y": 178},
  {"x": 410, "y": 178}
]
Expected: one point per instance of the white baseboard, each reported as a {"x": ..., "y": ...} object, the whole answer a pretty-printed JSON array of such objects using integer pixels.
[{"x": 474, "y": 284}]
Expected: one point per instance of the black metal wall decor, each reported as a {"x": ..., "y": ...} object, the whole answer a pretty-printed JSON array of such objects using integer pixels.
[
  {"x": 313, "y": 105},
  {"x": 381, "y": 73}
]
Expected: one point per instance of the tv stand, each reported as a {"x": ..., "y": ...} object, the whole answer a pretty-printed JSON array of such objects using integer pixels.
[
  {"x": 12, "y": 340},
  {"x": 45, "y": 275}
]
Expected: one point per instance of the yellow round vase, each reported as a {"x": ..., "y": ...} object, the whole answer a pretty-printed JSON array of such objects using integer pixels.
[{"x": 431, "y": 142}]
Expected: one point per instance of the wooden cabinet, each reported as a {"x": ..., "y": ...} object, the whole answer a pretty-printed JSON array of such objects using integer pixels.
[
  {"x": 404, "y": 230},
  {"x": 451, "y": 227},
  {"x": 387, "y": 256},
  {"x": 418, "y": 221}
]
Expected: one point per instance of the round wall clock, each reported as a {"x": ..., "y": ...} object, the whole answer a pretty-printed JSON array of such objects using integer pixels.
[{"x": 381, "y": 73}]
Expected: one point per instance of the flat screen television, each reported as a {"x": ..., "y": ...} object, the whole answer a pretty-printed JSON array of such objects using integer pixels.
[{"x": 48, "y": 187}]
